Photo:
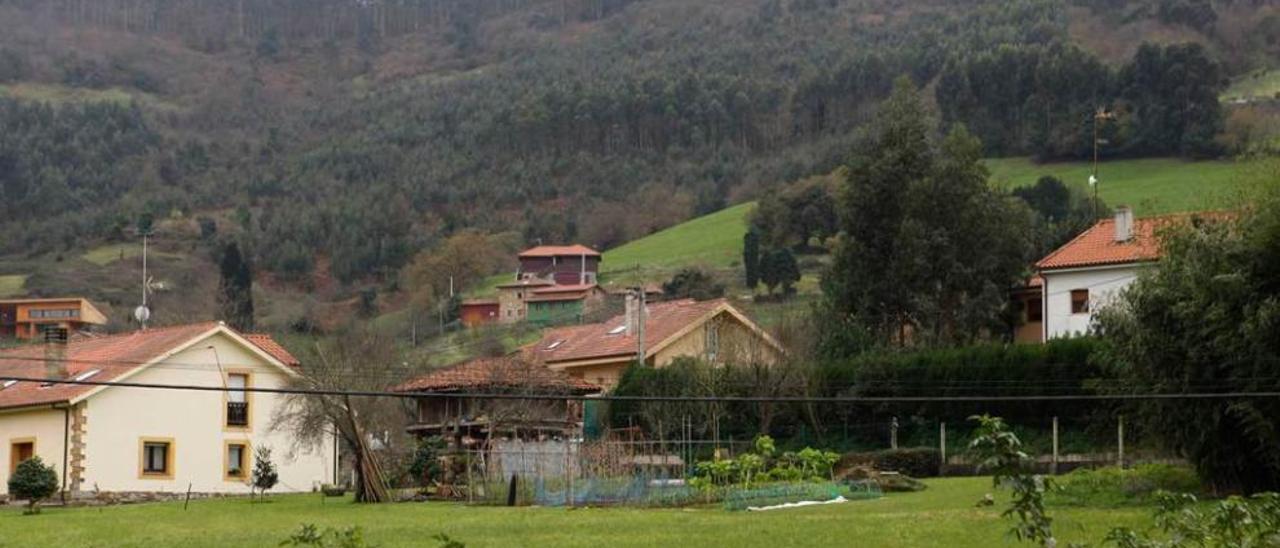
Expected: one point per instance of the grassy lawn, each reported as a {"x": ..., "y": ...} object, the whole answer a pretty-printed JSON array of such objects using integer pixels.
[
  {"x": 1264, "y": 84},
  {"x": 110, "y": 253},
  {"x": 1151, "y": 185},
  {"x": 11, "y": 284},
  {"x": 943, "y": 515}
]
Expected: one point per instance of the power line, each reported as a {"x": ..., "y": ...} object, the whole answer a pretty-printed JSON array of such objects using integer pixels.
[{"x": 687, "y": 399}]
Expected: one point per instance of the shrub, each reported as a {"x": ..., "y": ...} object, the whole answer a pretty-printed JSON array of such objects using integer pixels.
[
  {"x": 264, "y": 471},
  {"x": 917, "y": 462},
  {"x": 310, "y": 535},
  {"x": 1235, "y": 521},
  {"x": 1112, "y": 486},
  {"x": 33, "y": 481}
]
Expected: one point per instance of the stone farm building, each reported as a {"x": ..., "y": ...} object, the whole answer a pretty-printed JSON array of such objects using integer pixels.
[{"x": 141, "y": 440}]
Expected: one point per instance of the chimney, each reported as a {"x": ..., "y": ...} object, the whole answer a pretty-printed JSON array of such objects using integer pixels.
[
  {"x": 629, "y": 315},
  {"x": 1124, "y": 224},
  {"x": 55, "y": 353}
]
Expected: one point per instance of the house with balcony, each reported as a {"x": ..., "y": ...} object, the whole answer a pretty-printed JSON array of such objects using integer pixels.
[
  {"x": 28, "y": 318},
  {"x": 553, "y": 284},
  {"x": 466, "y": 420},
  {"x": 119, "y": 439}
]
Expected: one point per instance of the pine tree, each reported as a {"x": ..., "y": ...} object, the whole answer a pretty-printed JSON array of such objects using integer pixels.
[
  {"x": 265, "y": 475},
  {"x": 751, "y": 258},
  {"x": 235, "y": 296}
]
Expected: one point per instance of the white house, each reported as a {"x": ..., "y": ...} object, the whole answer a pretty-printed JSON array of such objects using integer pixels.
[
  {"x": 1088, "y": 272},
  {"x": 127, "y": 440}
]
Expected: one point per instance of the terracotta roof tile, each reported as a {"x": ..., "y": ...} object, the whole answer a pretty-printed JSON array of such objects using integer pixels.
[
  {"x": 271, "y": 346},
  {"x": 112, "y": 355},
  {"x": 1097, "y": 246},
  {"x": 506, "y": 372},
  {"x": 559, "y": 250},
  {"x": 603, "y": 340}
]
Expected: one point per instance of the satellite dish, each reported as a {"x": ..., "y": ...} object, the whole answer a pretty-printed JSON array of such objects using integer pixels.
[
  {"x": 1093, "y": 180},
  {"x": 142, "y": 314}
]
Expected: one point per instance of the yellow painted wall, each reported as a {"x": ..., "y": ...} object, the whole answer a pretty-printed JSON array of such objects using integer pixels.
[
  {"x": 117, "y": 419},
  {"x": 738, "y": 344},
  {"x": 45, "y": 425}
]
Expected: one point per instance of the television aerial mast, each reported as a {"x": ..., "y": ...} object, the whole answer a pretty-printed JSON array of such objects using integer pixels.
[{"x": 1098, "y": 117}]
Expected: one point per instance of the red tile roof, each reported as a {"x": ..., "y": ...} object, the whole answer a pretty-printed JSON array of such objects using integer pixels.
[
  {"x": 506, "y": 372},
  {"x": 112, "y": 355},
  {"x": 270, "y": 346},
  {"x": 593, "y": 341},
  {"x": 559, "y": 251},
  {"x": 1097, "y": 246}
]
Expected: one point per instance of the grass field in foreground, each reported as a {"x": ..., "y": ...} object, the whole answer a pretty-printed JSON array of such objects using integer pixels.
[
  {"x": 1150, "y": 185},
  {"x": 943, "y": 515}
]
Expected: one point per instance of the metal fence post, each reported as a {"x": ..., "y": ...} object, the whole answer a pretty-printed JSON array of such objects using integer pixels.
[{"x": 1120, "y": 442}]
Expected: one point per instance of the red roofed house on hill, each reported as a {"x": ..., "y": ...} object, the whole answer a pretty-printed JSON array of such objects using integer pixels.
[
  {"x": 1090, "y": 270},
  {"x": 126, "y": 440},
  {"x": 554, "y": 284},
  {"x": 657, "y": 334}
]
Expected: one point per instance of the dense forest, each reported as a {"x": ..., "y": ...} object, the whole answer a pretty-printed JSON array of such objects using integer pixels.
[{"x": 348, "y": 134}]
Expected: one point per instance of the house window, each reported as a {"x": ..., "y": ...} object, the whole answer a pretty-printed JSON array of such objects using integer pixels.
[
  {"x": 1035, "y": 311},
  {"x": 237, "y": 400},
  {"x": 713, "y": 341},
  {"x": 157, "y": 458},
  {"x": 236, "y": 461},
  {"x": 1079, "y": 301},
  {"x": 20, "y": 450}
]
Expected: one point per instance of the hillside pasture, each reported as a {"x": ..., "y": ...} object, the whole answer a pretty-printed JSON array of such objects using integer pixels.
[
  {"x": 1151, "y": 186},
  {"x": 11, "y": 284}
]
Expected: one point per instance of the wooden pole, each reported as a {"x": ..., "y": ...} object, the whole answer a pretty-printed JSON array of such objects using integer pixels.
[
  {"x": 1054, "y": 471},
  {"x": 188, "y": 501},
  {"x": 893, "y": 434},
  {"x": 1120, "y": 442}
]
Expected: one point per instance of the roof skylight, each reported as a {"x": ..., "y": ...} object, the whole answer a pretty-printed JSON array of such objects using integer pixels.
[
  {"x": 87, "y": 374},
  {"x": 7, "y": 384},
  {"x": 618, "y": 330},
  {"x": 555, "y": 344}
]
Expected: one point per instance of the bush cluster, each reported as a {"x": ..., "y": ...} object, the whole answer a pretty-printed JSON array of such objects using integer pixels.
[
  {"x": 1112, "y": 486},
  {"x": 917, "y": 462}
]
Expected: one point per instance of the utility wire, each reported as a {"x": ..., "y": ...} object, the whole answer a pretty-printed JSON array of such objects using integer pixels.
[{"x": 689, "y": 399}]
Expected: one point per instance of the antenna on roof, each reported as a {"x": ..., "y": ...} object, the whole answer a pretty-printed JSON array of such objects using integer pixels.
[
  {"x": 1098, "y": 116},
  {"x": 142, "y": 313}
]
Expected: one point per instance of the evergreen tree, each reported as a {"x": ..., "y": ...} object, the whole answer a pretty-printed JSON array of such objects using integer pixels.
[
  {"x": 896, "y": 152},
  {"x": 927, "y": 248},
  {"x": 751, "y": 258},
  {"x": 779, "y": 268},
  {"x": 235, "y": 293},
  {"x": 265, "y": 475}
]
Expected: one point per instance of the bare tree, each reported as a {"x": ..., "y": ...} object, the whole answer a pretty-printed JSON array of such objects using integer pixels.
[{"x": 356, "y": 360}]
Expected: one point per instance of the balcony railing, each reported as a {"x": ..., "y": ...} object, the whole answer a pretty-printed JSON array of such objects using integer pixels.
[{"x": 237, "y": 413}]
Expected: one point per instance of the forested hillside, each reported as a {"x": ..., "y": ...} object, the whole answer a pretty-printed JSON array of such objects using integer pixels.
[{"x": 346, "y": 135}]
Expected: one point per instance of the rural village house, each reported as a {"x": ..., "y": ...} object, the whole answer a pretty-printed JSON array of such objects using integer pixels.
[
  {"x": 1087, "y": 273},
  {"x": 656, "y": 334},
  {"x": 28, "y": 318},
  {"x": 121, "y": 439},
  {"x": 553, "y": 284}
]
